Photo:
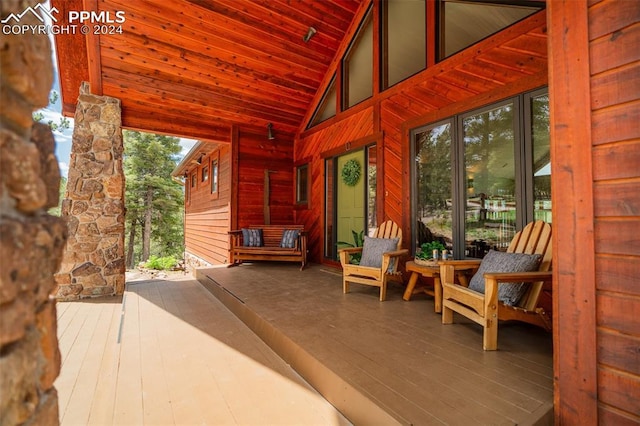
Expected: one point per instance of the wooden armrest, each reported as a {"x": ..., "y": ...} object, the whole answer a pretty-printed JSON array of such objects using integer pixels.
[
  {"x": 350, "y": 250},
  {"x": 396, "y": 253},
  {"x": 461, "y": 264},
  {"x": 520, "y": 276}
]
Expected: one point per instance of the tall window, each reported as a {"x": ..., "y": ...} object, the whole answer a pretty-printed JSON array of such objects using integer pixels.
[
  {"x": 205, "y": 173},
  {"x": 358, "y": 66},
  {"x": 327, "y": 108},
  {"x": 490, "y": 174},
  {"x": 480, "y": 176},
  {"x": 214, "y": 176},
  {"x": 302, "y": 184},
  {"x": 433, "y": 184},
  {"x": 465, "y": 22},
  {"x": 538, "y": 105},
  {"x": 372, "y": 186},
  {"x": 404, "y": 38}
]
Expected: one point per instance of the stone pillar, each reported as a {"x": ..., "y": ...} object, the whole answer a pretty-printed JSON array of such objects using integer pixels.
[
  {"x": 93, "y": 262},
  {"x": 31, "y": 241}
]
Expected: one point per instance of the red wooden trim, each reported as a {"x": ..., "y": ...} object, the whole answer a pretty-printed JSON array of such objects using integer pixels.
[
  {"x": 432, "y": 33},
  {"x": 376, "y": 48},
  {"x": 574, "y": 301},
  {"x": 352, "y": 145},
  {"x": 94, "y": 63},
  {"x": 235, "y": 152}
]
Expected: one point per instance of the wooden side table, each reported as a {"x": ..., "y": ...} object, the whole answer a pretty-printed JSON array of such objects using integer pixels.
[{"x": 429, "y": 271}]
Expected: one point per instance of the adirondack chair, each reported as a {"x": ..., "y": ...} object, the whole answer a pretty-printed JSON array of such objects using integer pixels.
[
  {"x": 487, "y": 309},
  {"x": 379, "y": 263}
]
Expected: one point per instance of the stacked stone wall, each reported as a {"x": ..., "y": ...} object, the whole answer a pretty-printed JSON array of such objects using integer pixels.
[
  {"x": 93, "y": 262},
  {"x": 31, "y": 241}
]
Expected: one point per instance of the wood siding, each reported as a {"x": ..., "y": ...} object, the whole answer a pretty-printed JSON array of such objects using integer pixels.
[
  {"x": 207, "y": 216},
  {"x": 256, "y": 155},
  {"x": 334, "y": 139},
  {"x": 614, "y": 40},
  {"x": 509, "y": 63},
  {"x": 594, "y": 88}
]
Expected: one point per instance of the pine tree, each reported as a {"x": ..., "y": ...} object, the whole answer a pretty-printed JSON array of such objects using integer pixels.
[{"x": 154, "y": 200}]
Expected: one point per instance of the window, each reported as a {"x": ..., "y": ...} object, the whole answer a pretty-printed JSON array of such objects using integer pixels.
[
  {"x": 302, "y": 185},
  {"x": 490, "y": 174},
  {"x": 205, "y": 173},
  {"x": 194, "y": 179},
  {"x": 465, "y": 22},
  {"x": 480, "y": 176},
  {"x": 358, "y": 66},
  {"x": 214, "y": 176},
  {"x": 404, "y": 37},
  {"x": 433, "y": 183},
  {"x": 327, "y": 107},
  {"x": 538, "y": 110}
]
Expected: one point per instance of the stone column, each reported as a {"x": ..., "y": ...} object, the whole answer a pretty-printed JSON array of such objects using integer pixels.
[
  {"x": 93, "y": 262},
  {"x": 31, "y": 241}
]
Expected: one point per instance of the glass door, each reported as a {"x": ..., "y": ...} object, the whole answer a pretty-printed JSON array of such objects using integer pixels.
[{"x": 490, "y": 178}]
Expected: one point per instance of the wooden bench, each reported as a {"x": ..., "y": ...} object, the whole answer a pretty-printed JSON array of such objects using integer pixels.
[{"x": 270, "y": 250}]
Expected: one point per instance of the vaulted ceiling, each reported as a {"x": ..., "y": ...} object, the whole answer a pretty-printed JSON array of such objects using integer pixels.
[{"x": 195, "y": 68}]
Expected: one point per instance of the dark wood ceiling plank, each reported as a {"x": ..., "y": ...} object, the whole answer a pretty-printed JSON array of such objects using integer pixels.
[
  {"x": 202, "y": 71},
  {"x": 247, "y": 41},
  {"x": 141, "y": 96},
  {"x": 281, "y": 24},
  {"x": 198, "y": 91},
  {"x": 198, "y": 99},
  {"x": 200, "y": 39},
  {"x": 330, "y": 28},
  {"x": 151, "y": 121}
]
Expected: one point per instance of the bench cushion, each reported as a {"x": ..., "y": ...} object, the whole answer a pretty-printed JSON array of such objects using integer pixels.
[
  {"x": 289, "y": 238},
  {"x": 252, "y": 237}
]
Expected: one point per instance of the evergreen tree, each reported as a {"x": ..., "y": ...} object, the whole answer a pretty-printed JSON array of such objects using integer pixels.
[{"x": 154, "y": 200}]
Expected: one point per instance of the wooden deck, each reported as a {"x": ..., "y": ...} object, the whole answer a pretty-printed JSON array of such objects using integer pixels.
[
  {"x": 168, "y": 352},
  {"x": 389, "y": 362}
]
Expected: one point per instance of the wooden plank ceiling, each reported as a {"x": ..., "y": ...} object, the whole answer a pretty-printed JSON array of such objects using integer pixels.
[{"x": 195, "y": 68}]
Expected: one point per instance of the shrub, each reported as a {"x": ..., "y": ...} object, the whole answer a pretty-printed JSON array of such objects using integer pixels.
[{"x": 161, "y": 263}]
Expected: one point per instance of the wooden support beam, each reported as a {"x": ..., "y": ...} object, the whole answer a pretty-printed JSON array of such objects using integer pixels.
[{"x": 93, "y": 52}]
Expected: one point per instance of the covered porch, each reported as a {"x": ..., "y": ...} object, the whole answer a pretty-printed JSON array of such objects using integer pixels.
[{"x": 175, "y": 351}]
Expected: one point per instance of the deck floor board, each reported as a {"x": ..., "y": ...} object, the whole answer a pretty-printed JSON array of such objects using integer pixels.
[
  {"x": 168, "y": 352},
  {"x": 397, "y": 354}
]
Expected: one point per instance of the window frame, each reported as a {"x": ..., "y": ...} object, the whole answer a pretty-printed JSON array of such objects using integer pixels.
[
  {"x": 355, "y": 42},
  {"x": 523, "y": 158},
  {"x": 214, "y": 186},
  {"x": 298, "y": 202}
]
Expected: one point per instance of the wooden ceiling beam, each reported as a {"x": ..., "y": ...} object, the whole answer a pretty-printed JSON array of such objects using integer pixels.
[
  {"x": 204, "y": 95},
  {"x": 93, "y": 52},
  {"x": 134, "y": 97}
]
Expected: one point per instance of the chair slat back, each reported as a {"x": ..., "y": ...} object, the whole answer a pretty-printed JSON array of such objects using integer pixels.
[
  {"x": 389, "y": 229},
  {"x": 535, "y": 238}
]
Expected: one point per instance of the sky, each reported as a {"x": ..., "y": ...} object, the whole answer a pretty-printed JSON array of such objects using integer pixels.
[{"x": 53, "y": 112}]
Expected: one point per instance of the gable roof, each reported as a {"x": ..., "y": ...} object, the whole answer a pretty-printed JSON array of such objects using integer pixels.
[{"x": 196, "y": 68}]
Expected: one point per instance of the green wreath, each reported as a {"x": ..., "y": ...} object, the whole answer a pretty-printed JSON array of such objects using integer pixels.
[{"x": 351, "y": 172}]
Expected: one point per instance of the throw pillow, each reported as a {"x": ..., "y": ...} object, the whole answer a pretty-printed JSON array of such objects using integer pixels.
[
  {"x": 373, "y": 248},
  {"x": 252, "y": 237},
  {"x": 289, "y": 238},
  {"x": 497, "y": 261}
]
